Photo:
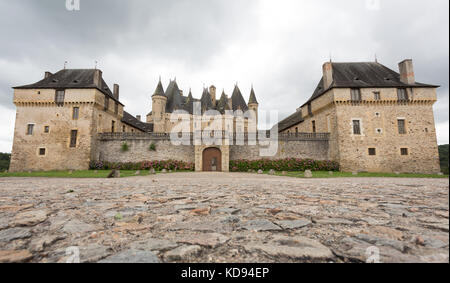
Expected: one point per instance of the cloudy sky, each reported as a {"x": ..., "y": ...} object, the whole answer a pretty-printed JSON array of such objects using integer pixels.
[{"x": 279, "y": 46}]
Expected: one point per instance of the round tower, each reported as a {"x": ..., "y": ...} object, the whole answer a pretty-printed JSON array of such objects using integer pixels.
[
  {"x": 159, "y": 101},
  {"x": 253, "y": 105}
]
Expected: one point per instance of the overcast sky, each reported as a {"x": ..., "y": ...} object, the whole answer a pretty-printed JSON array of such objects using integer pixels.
[{"x": 278, "y": 45}]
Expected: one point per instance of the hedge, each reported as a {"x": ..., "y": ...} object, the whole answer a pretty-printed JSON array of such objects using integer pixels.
[
  {"x": 145, "y": 165},
  {"x": 288, "y": 164}
]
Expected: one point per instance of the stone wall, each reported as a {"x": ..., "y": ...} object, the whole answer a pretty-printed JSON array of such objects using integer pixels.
[{"x": 109, "y": 149}]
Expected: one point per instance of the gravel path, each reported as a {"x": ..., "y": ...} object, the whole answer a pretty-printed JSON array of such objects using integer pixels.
[{"x": 224, "y": 217}]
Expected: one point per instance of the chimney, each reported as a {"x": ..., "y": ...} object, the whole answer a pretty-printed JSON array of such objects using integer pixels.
[
  {"x": 138, "y": 117},
  {"x": 212, "y": 92},
  {"x": 98, "y": 78},
  {"x": 47, "y": 74},
  {"x": 327, "y": 74},
  {"x": 407, "y": 72},
  {"x": 116, "y": 91}
]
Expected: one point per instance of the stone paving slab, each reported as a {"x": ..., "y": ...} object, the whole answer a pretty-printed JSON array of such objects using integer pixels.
[{"x": 224, "y": 217}]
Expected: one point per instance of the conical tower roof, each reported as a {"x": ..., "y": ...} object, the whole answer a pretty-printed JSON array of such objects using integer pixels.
[
  {"x": 222, "y": 105},
  {"x": 159, "y": 91},
  {"x": 237, "y": 100},
  {"x": 252, "y": 99}
]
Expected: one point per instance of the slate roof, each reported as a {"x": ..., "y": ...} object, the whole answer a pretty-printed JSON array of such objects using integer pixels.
[
  {"x": 362, "y": 75},
  {"x": 290, "y": 121},
  {"x": 354, "y": 75},
  {"x": 237, "y": 101},
  {"x": 132, "y": 121},
  {"x": 176, "y": 101},
  {"x": 71, "y": 78},
  {"x": 252, "y": 98}
]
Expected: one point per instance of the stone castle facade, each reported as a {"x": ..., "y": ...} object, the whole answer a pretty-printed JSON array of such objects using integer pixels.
[{"x": 363, "y": 115}]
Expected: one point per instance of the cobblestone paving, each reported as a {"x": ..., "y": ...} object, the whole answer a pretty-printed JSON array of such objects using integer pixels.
[{"x": 215, "y": 217}]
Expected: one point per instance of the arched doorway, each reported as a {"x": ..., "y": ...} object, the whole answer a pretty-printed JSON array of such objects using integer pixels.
[{"x": 212, "y": 160}]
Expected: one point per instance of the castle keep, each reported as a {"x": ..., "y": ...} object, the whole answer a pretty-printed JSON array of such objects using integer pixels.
[{"x": 362, "y": 115}]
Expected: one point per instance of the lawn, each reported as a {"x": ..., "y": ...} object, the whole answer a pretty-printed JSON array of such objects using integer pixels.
[
  {"x": 75, "y": 174},
  {"x": 320, "y": 174}
]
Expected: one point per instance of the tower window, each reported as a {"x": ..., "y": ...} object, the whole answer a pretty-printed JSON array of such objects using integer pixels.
[
  {"x": 123, "y": 129},
  {"x": 401, "y": 126},
  {"x": 356, "y": 127},
  {"x": 42, "y": 151},
  {"x": 356, "y": 95},
  {"x": 73, "y": 138},
  {"x": 402, "y": 94},
  {"x": 404, "y": 151},
  {"x": 59, "y": 97},
  {"x": 75, "y": 113},
  {"x": 30, "y": 129},
  {"x": 46, "y": 129},
  {"x": 113, "y": 126},
  {"x": 313, "y": 126},
  {"x": 377, "y": 95},
  {"x": 106, "y": 103},
  {"x": 372, "y": 151}
]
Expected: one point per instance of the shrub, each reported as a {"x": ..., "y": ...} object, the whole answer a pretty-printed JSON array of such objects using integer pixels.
[
  {"x": 145, "y": 165},
  {"x": 288, "y": 164},
  {"x": 152, "y": 147},
  {"x": 125, "y": 147}
]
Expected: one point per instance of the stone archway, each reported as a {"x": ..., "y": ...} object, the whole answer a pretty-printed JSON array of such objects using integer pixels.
[{"x": 212, "y": 160}]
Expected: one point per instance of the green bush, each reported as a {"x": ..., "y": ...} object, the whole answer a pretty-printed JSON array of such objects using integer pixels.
[
  {"x": 125, "y": 147},
  {"x": 152, "y": 147},
  {"x": 145, "y": 165},
  {"x": 443, "y": 156},
  {"x": 288, "y": 164},
  {"x": 4, "y": 161}
]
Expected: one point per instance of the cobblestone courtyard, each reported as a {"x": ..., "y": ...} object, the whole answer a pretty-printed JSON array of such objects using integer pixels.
[{"x": 224, "y": 217}]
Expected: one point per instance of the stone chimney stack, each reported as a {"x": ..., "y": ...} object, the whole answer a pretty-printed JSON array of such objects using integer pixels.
[
  {"x": 212, "y": 92},
  {"x": 116, "y": 91},
  {"x": 98, "y": 78},
  {"x": 327, "y": 74},
  {"x": 138, "y": 117},
  {"x": 407, "y": 72},
  {"x": 47, "y": 74}
]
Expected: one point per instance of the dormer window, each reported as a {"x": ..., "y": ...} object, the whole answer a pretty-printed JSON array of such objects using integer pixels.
[
  {"x": 59, "y": 97},
  {"x": 402, "y": 94},
  {"x": 356, "y": 95}
]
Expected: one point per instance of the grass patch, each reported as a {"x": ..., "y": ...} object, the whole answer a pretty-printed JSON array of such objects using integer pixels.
[
  {"x": 321, "y": 174},
  {"x": 77, "y": 174}
]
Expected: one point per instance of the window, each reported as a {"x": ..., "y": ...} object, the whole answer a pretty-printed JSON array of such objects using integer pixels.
[
  {"x": 73, "y": 138},
  {"x": 401, "y": 126},
  {"x": 372, "y": 151},
  {"x": 42, "y": 151},
  {"x": 123, "y": 129},
  {"x": 59, "y": 97},
  {"x": 30, "y": 129},
  {"x": 310, "y": 109},
  {"x": 46, "y": 129},
  {"x": 356, "y": 127},
  {"x": 106, "y": 103},
  {"x": 377, "y": 95},
  {"x": 313, "y": 126},
  {"x": 75, "y": 113},
  {"x": 356, "y": 94},
  {"x": 404, "y": 151},
  {"x": 296, "y": 130},
  {"x": 113, "y": 125},
  {"x": 402, "y": 94},
  {"x": 116, "y": 108}
]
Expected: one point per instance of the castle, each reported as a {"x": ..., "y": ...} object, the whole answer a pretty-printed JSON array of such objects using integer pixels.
[{"x": 362, "y": 115}]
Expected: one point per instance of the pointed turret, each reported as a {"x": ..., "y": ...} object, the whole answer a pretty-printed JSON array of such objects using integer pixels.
[
  {"x": 159, "y": 91},
  {"x": 252, "y": 99},
  {"x": 206, "y": 100},
  {"x": 237, "y": 100},
  {"x": 222, "y": 105}
]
